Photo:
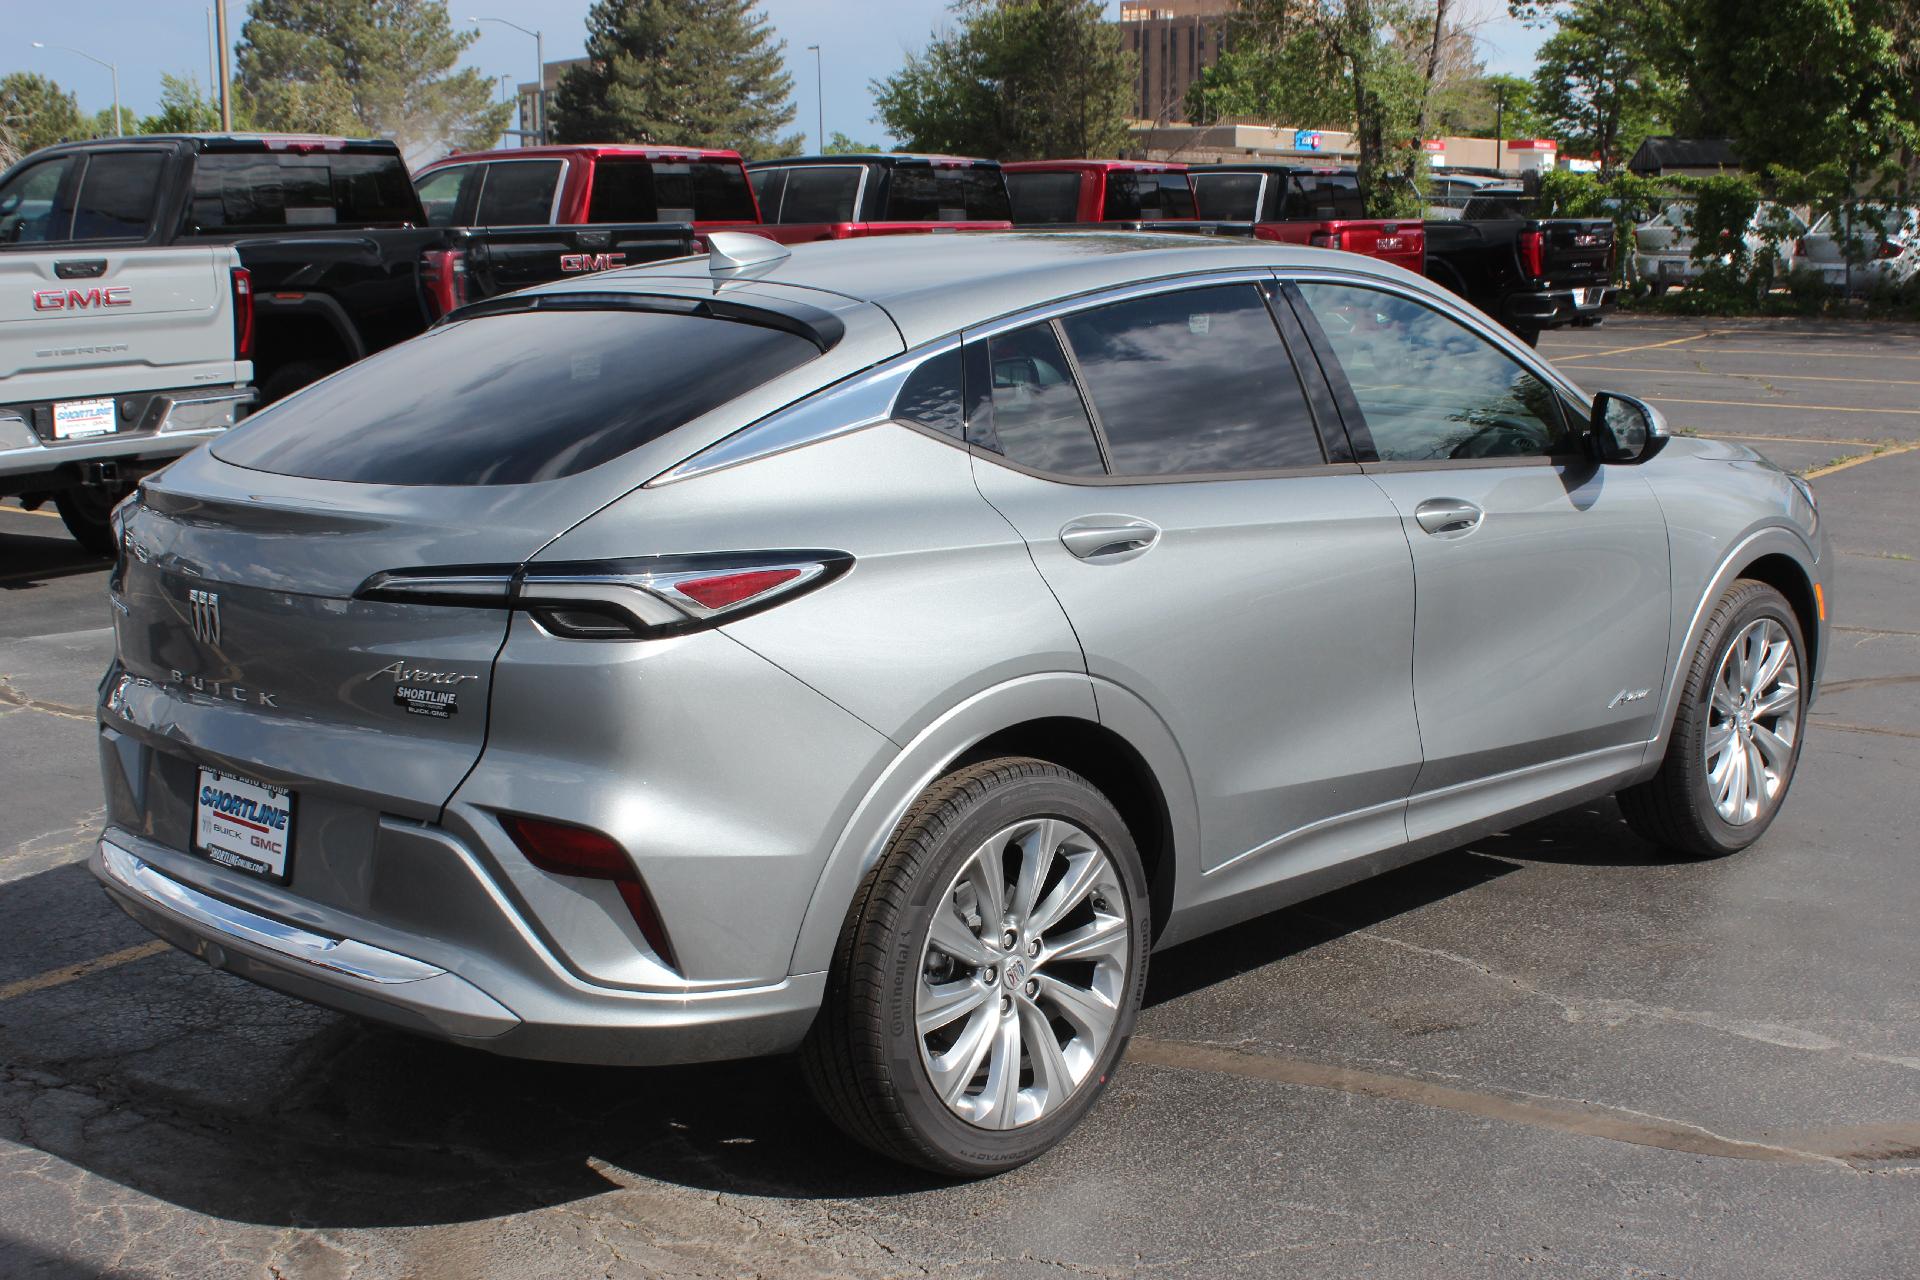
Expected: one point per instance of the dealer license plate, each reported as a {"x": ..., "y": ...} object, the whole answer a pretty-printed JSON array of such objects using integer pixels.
[
  {"x": 73, "y": 419},
  {"x": 243, "y": 824}
]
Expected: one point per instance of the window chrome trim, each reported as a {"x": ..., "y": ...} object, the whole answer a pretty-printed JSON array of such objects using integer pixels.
[
  {"x": 862, "y": 401},
  {"x": 1198, "y": 279}
]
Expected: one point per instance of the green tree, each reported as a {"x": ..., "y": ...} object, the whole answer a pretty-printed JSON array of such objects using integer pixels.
[
  {"x": 35, "y": 112},
  {"x": 1293, "y": 79},
  {"x": 1483, "y": 105},
  {"x": 1017, "y": 80},
  {"x": 839, "y": 144},
  {"x": 1596, "y": 85},
  {"x": 183, "y": 108},
  {"x": 706, "y": 73},
  {"x": 382, "y": 67}
]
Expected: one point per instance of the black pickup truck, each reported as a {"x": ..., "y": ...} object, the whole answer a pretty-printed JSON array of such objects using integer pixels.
[
  {"x": 341, "y": 259},
  {"x": 1528, "y": 273}
]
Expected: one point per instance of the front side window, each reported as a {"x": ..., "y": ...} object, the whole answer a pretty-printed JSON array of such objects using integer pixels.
[
  {"x": 300, "y": 189},
  {"x": 442, "y": 191},
  {"x": 513, "y": 398},
  {"x": 117, "y": 195},
  {"x": 1027, "y": 408},
  {"x": 1228, "y": 197},
  {"x": 1193, "y": 382},
  {"x": 932, "y": 193},
  {"x": 820, "y": 193},
  {"x": 1430, "y": 388},
  {"x": 519, "y": 193},
  {"x": 32, "y": 210},
  {"x": 1044, "y": 197}
]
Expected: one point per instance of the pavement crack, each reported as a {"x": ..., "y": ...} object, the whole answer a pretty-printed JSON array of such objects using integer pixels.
[{"x": 12, "y": 697}]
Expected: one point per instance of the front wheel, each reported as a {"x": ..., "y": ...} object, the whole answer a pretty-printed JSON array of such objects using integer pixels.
[
  {"x": 989, "y": 973},
  {"x": 1737, "y": 736}
]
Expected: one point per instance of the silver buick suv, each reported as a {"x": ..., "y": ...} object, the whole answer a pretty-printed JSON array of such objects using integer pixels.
[{"x": 876, "y": 649}]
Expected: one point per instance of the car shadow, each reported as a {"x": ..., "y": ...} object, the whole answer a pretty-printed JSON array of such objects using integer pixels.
[
  {"x": 201, "y": 1090},
  {"x": 31, "y": 555}
]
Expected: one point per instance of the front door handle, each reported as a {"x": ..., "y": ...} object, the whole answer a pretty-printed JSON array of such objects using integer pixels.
[
  {"x": 1109, "y": 539},
  {"x": 1448, "y": 517}
]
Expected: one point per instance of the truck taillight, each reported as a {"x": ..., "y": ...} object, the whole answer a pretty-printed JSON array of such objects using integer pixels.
[
  {"x": 1887, "y": 249},
  {"x": 1799, "y": 247},
  {"x": 446, "y": 278},
  {"x": 1532, "y": 257},
  {"x": 1328, "y": 240},
  {"x": 242, "y": 314}
]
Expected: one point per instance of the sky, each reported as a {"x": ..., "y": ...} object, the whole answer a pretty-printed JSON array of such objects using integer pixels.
[{"x": 859, "y": 39}]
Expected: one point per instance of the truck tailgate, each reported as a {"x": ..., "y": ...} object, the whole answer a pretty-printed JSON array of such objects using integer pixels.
[
  {"x": 503, "y": 259},
  {"x": 105, "y": 321}
]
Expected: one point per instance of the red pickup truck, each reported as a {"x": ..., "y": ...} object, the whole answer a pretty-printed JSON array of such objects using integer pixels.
[
  {"x": 806, "y": 198},
  {"x": 1083, "y": 192},
  {"x": 1301, "y": 205},
  {"x": 583, "y": 185}
]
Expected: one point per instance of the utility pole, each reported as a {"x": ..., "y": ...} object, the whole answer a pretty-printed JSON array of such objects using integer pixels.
[
  {"x": 1499, "y": 122},
  {"x": 819, "y": 100},
  {"x": 118, "y": 130},
  {"x": 533, "y": 132},
  {"x": 213, "y": 56},
  {"x": 226, "y": 76}
]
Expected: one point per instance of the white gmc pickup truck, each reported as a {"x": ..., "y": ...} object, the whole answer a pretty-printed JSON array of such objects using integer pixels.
[{"x": 114, "y": 360}]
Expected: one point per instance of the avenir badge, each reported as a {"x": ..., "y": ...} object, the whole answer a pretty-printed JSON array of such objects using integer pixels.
[{"x": 421, "y": 692}]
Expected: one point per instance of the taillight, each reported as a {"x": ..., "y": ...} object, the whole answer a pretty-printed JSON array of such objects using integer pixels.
[
  {"x": 1887, "y": 249},
  {"x": 1799, "y": 247},
  {"x": 1328, "y": 240},
  {"x": 446, "y": 273},
  {"x": 1532, "y": 256},
  {"x": 640, "y": 598},
  {"x": 567, "y": 850},
  {"x": 242, "y": 314}
]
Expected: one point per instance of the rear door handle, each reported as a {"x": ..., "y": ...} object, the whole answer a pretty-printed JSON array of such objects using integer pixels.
[
  {"x": 1448, "y": 517},
  {"x": 1109, "y": 539}
]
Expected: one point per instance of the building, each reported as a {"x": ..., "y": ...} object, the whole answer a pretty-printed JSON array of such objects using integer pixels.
[
  {"x": 1694, "y": 157},
  {"x": 532, "y": 119},
  {"x": 1211, "y": 144},
  {"x": 1174, "y": 40}
]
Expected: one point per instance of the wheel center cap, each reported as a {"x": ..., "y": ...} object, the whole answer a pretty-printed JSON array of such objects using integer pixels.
[
  {"x": 1014, "y": 974},
  {"x": 1746, "y": 719}
]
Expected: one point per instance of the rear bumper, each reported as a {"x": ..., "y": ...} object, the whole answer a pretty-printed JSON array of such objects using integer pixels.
[
  {"x": 166, "y": 425},
  {"x": 533, "y": 1009},
  {"x": 1551, "y": 308}
]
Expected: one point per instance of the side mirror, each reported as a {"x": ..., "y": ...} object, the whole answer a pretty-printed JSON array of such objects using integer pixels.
[{"x": 1625, "y": 429}]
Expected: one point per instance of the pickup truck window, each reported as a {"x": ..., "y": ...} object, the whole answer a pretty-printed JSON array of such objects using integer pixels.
[
  {"x": 820, "y": 193},
  {"x": 1228, "y": 197},
  {"x": 1044, "y": 197},
  {"x": 248, "y": 189},
  {"x": 442, "y": 191},
  {"x": 932, "y": 194},
  {"x": 514, "y": 398},
  {"x": 662, "y": 191},
  {"x": 1321, "y": 197},
  {"x": 1193, "y": 382},
  {"x": 117, "y": 195},
  {"x": 1147, "y": 195},
  {"x": 31, "y": 208},
  {"x": 518, "y": 193}
]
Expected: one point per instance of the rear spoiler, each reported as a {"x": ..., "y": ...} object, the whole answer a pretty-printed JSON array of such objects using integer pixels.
[{"x": 822, "y": 328}]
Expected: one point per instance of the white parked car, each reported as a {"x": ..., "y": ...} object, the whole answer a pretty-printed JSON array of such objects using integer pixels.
[
  {"x": 1663, "y": 254},
  {"x": 1890, "y": 245}
]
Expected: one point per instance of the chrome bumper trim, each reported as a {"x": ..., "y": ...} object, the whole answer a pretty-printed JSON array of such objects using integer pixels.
[{"x": 223, "y": 919}]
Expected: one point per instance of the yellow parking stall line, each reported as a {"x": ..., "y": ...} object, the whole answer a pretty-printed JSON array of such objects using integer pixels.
[
  {"x": 1759, "y": 377},
  {"x": 1782, "y": 404},
  {"x": 1751, "y": 351},
  {"x": 69, "y": 973},
  {"x": 1832, "y": 467},
  {"x": 1648, "y": 346}
]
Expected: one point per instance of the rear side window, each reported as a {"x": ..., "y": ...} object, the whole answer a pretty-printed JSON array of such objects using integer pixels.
[
  {"x": 32, "y": 207},
  {"x": 823, "y": 193},
  {"x": 515, "y": 398},
  {"x": 1193, "y": 382},
  {"x": 931, "y": 397},
  {"x": 768, "y": 186},
  {"x": 300, "y": 189},
  {"x": 443, "y": 192},
  {"x": 1027, "y": 408},
  {"x": 117, "y": 195},
  {"x": 1228, "y": 197},
  {"x": 659, "y": 191},
  {"x": 519, "y": 193},
  {"x": 928, "y": 193},
  {"x": 1147, "y": 195},
  {"x": 1044, "y": 197}
]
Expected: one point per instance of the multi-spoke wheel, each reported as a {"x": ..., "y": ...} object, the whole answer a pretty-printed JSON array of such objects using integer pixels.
[
  {"x": 989, "y": 973},
  {"x": 1736, "y": 737}
]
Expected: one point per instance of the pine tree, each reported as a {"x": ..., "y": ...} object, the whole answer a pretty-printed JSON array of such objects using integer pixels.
[
  {"x": 701, "y": 73},
  {"x": 380, "y": 67}
]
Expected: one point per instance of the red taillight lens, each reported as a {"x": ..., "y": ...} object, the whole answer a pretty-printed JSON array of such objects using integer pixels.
[
  {"x": 723, "y": 591},
  {"x": 1532, "y": 255},
  {"x": 567, "y": 850},
  {"x": 1799, "y": 248},
  {"x": 1327, "y": 240},
  {"x": 1887, "y": 249},
  {"x": 242, "y": 314},
  {"x": 446, "y": 279}
]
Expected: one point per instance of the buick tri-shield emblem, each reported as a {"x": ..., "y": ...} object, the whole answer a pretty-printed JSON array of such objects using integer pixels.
[{"x": 206, "y": 615}]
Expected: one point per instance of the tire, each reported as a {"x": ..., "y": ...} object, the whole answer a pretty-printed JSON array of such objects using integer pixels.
[
  {"x": 290, "y": 377},
  {"x": 86, "y": 512},
  {"x": 866, "y": 1059},
  {"x": 1656, "y": 288},
  {"x": 1676, "y": 809},
  {"x": 1529, "y": 336}
]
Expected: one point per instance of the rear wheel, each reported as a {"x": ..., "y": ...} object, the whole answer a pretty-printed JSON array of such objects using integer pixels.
[
  {"x": 1737, "y": 736},
  {"x": 989, "y": 972},
  {"x": 85, "y": 511},
  {"x": 290, "y": 377}
]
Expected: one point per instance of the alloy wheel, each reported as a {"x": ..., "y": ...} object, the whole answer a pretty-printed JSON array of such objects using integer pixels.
[
  {"x": 1752, "y": 722},
  {"x": 1022, "y": 973}
]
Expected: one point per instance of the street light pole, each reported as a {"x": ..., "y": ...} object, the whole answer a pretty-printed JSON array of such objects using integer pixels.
[
  {"x": 118, "y": 131},
  {"x": 537, "y": 126},
  {"x": 819, "y": 100}
]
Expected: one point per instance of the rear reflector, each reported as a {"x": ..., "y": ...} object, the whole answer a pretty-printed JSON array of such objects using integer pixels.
[{"x": 567, "y": 850}]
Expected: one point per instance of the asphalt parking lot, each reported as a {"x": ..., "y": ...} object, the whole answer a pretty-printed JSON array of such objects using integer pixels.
[{"x": 1553, "y": 1053}]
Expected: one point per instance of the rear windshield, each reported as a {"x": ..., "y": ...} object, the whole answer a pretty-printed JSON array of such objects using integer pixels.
[
  {"x": 514, "y": 398},
  {"x": 1228, "y": 197},
  {"x": 300, "y": 189},
  {"x": 669, "y": 191},
  {"x": 920, "y": 193},
  {"x": 1148, "y": 195},
  {"x": 1324, "y": 196},
  {"x": 1044, "y": 197}
]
